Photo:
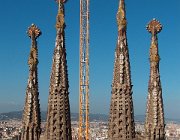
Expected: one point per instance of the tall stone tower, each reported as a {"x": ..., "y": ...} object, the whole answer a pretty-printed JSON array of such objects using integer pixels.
[
  {"x": 154, "y": 125},
  {"x": 121, "y": 119},
  {"x": 31, "y": 123},
  {"x": 58, "y": 115}
]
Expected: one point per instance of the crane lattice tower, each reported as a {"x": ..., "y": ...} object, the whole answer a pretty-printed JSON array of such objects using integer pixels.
[
  {"x": 58, "y": 125},
  {"x": 84, "y": 71},
  {"x": 121, "y": 118},
  {"x": 154, "y": 123},
  {"x": 31, "y": 121}
]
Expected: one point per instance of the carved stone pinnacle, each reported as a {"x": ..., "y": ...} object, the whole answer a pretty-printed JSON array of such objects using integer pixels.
[
  {"x": 121, "y": 117},
  {"x": 154, "y": 26},
  {"x": 31, "y": 120},
  {"x": 33, "y": 30},
  {"x": 154, "y": 123},
  {"x": 58, "y": 124},
  {"x": 121, "y": 16},
  {"x": 60, "y": 22},
  {"x": 60, "y": 1}
]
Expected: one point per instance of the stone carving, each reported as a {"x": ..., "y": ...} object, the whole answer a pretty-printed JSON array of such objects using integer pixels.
[
  {"x": 31, "y": 123},
  {"x": 121, "y": 118},
  {"x": 58, "y": 125},
  {"x": 154, "y": 123},
  {"x": 121, "y": 16}
]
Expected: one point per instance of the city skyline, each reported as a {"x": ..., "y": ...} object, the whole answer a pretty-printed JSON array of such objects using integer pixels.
[{"x": 16, "y": 17}]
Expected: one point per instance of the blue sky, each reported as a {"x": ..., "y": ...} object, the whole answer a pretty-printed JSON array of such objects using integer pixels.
[{"x": 17, "y": 16}]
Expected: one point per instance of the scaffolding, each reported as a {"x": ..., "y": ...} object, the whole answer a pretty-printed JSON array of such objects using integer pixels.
[{"x": 84, "y": 71}]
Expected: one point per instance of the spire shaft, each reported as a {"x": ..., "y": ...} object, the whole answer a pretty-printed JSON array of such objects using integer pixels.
[
  {"x": 121, "y": 120},
  {"x": 31, "y": 116},
  {"x": 58, "y": 125},
  {"x": 154, "y": 124}
]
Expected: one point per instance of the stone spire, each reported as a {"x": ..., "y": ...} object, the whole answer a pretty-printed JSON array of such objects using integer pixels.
[
  {"x": 58, "y": 116},
  {"x": 121, "y": 118},
  {"x": 154, "y": 125},
  {"x": 31, "y": 123}
]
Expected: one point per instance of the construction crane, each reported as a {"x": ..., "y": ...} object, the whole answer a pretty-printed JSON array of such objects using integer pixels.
[{"x": 84, "y": 71}]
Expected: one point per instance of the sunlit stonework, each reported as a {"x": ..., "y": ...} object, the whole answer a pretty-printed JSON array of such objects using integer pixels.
[
  {"x": 121, "y": 118},
  {"x": 31, "y": 123},
  {"x": 58, "y": 125},
  {"x": 154, "y": 123}
]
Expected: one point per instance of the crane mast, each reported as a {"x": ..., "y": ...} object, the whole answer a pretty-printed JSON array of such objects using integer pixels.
[{"x": 84, "y": 71}]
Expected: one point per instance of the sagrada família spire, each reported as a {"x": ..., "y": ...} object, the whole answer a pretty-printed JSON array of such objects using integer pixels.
[
  {"x": 58, "y": 116},
  {"x": 154, "y": 123},
  {"x": 121, "y": 118},
  {"x": 31, "y": 123}
]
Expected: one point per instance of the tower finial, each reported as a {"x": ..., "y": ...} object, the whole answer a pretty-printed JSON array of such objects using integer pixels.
[
  {"x": 122, "y": 2},
  {"x": 60, "y": 2},
  {"x": 154, "y": 26},
  {"x": 121, "y": 15},
  {"x": 60, "y": 17},
  {"x": 33, "y": 30}
]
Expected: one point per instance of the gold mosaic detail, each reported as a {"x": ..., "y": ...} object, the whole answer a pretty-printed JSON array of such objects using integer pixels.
[
  {"x": 60, "y": 19},
  {"x": 121, "y": 19}
]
